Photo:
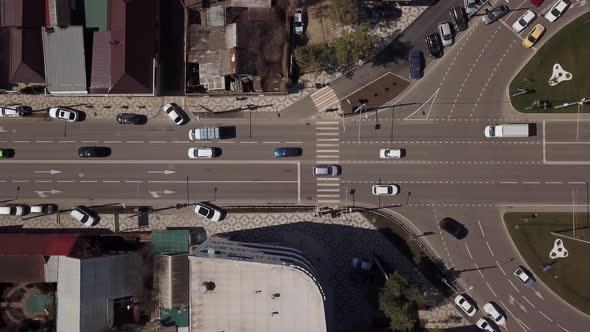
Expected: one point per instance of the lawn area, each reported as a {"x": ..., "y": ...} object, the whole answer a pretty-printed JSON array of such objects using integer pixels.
[
  {"x": 569, "y": 48},
  {"x": 569, "y": 277}
]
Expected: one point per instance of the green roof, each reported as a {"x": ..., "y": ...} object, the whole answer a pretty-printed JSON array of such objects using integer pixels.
[
  {"x": 170, "y": 242},
  {"x": 96, "y": 14},
  {"x": 178, "y": 316}
]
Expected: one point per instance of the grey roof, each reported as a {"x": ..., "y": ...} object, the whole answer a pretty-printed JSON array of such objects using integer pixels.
[
  {"x": 250, "y": 3},
  {"x": 216, "y": 16},
  {"x": 86, "y": 288},
  {"x": 173, "y": 280},
  {"x": 65, "y": 69}
]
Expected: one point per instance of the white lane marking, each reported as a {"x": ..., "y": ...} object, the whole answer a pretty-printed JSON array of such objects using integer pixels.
[
  {"x": 490, "y": 248},
  {"x": 501, "y": 269},
  {"x": 324, "y": 156},
  {"x": 327, "y": 134},
  {"x": 298, "y": 183},
  {"x": 65, "y": 181},
  {"x": 508, "y": 182},
  {"x": 479, "y": 270},
  {"x": 542, "y": 314},
  {"x": 156, "y": 194},
  {"x": 20, "y": 181},
  {"x": 481, "y": 228},
  {"x": 510, "y": 281},
  {"x": 327, "y": 196},
  {"x": 88, "y": 141},
  {"x": 21, "y": 141},
  {"x": 226, "y": 142},
  {"x": 134, "y": 181},
  {"x": 88, "y": 181},
  {"x": 327, "y": 179},
  {"x": 563, "y": 328},
  {"x": 167, "y": 162},
  {"x": 66, "y": 141},
  {"x": 293, "y": 142},
  {"x": 329, "y": 161},
  {"x": 468, "y": 251},
  {"x": 323, "y": 184},
  {"x": 328, "y": 190},
  {"x": 112, "y": 141},
  {"x": 134, "y": 142},
  {"x": 271, "y": 142},
  {"x": 522, "y": 325},
  {"x": 43, "y": 181},
  {"x": 165, "y": 172},
  {"x": 568, "y": 143},
  {"x": 158, "y": 142},
  {"x": 544, "y": 143},
  {"x": 326, "y": 122},
  {"x": 52, "y": 171},
  {"x": 326, "y": 145},
  {"x": 248, "y": 142},
  {"x": 531, "y": 182},
  {"x": 111, "y": 181},
  {"x": 327, "y": 128},
  {"x": 43, "y": 141},
  {"x": 180, "y": 142},
  {"x": 328, "y": 201},
  {"x": 222, "y": 181},
  {"x": 492, "y": 290},
  {"x": 327, "y": 151},
  {"x": 327, "y": 139},
  {"x": 529, "y": 302}
]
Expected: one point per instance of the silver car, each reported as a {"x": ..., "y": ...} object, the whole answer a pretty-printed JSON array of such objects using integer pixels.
[
  {"x": 327, "y": 170},
  {"x": 495, "y": 14},
  {"x": 446, "y": 34},
  {"x": 471, "y": 6}
]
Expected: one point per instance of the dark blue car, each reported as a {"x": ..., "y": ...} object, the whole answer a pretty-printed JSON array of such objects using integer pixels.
[
  {"x": 288, "y": 152},
  {"x": 416, "y": 64}
]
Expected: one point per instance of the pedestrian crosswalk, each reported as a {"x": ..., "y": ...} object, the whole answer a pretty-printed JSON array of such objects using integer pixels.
[
  {"x": 328, "y": 153},
  {"x": 324, "y": 98}
]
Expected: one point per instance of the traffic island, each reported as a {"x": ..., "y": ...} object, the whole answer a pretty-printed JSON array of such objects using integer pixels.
[
  {"x": 535, "y": 235},
  {"x": 557, "y": 74}
]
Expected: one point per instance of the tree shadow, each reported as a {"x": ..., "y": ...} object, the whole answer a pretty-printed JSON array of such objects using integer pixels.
[{"x": 393, "y": 53}]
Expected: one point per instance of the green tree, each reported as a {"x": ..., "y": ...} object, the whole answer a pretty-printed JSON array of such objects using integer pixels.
[
  {"x": 354, "y": 46},
  {"x": 344, "y": 12},
  {"x": 399, "y": 300},
  {"x": 316, "y": 57}
]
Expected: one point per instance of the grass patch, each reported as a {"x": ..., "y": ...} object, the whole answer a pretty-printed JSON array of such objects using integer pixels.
[
  {"x": 569, "y": 48},
  {"x": 568, "y": 278}
]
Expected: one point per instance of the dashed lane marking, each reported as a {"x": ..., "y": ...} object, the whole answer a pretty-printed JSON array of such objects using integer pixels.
[{"x": 542, "y": 314}]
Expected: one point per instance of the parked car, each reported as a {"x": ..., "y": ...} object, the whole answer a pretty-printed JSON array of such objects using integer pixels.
[
  {"x": 524, "y": 20},
  {"x": 65, "y": 114},
  {"x": 131, "y": 118},
  {"x": 201, "y": 153},
  {"x": 466, "y": 304},
  {"x": 15, "y": 210},
  {"x": 85, "y": 215},
  {"x": 525, "y": 276},
  {"x": 327, "y": 170},
  {"x": 472, "y": 6},
  {"x": 531, "y": 39},
  {"x": 94, "y": 151},
  {"x": 557, "y": 10},
  {"x": 435, "y": 47},
  {"x": 15, "y": 111},
  {"x": 298, "y": 22},
  {"x": 288, "y": 152},
  {"x": 209, "y": 211},
  {"x": 453, "y": 227},
  {"x": 44, "y": 208},
  {"x": 176, "y": 114},
  {"x": 492, "y": 310},
  {"x": 390, "y": 153},
  {"x": 385, "y": 189},
  {"x": 362, "y": 265},
  {"x": 458, "y": 18},
  {"x": 6, "y": 153},
  {"x": 446, "y": 33},
  {"x": 416, "y": 62},
  {"x": 495, "y": 14},
  {"x": 485, "y": 325}
]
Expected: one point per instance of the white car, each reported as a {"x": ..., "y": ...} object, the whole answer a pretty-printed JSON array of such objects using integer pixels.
[
  {"x": 471, "y": 6},
  {"x": 298, "y": 22},
  {"x": 64, "y": 114},
  {"x": 14, "y": 111},
  {"x": 484, "y": 325},
  {"x": 466, "y": 305},
  {"x": 557, "y": 10},
  {"x": 209, "y": 211},
  {"x": 524, "y": 276},
  {"x": 85, "y": 215},
  {"x": 15, "y": 210},
  {"x": 524, "y": 20},
  {"x": 385, "y": 189},
  {"x": 446, "y": 34},
  {"x": 390, "y": 153},
  {"x": 175, "y": 114},
  {"x": 201, "y": 153},
  {"x": 491, "y": 309}
]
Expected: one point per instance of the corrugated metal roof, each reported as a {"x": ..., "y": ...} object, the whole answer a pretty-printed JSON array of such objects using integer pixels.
[
  {"x": 22, "y": 269},
  {"x": 100, "y": 77},
  {"x": 96, "y": 13},
  {"x": 65, "y": 68},
  {"x": 173, "y": 274},
  {"x": 132, "y": 26},
  {"x": 36, "y": 244}
]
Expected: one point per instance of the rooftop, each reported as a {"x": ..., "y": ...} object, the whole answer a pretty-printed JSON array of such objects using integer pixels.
[{"x": 65, "y": 68}]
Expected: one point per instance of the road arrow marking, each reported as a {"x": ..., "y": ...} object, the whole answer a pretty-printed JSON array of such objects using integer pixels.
[
  {"x": 44, "y": 193},
  {"x": 162, "y": 172},
  {"x": 512, "y": 300},
  {"x": 538, "y": 294},
  {"x": 53, "y": 171},
  {"x": 156, "y": 194}
]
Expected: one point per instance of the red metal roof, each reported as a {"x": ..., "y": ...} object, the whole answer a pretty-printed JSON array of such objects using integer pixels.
[{"x": 37, "y": 244}]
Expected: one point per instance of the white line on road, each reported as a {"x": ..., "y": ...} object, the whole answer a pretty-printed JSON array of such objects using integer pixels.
[
  {"x": 508, "y": 182},
  {"x": 271, "y": 142},
  {"x": 563, "y": 328},
  {"x": 88, "y": 141},
  {"x": 492, "y": 290},
  {"x": 43, "y": 181},
  {"x": 65, "y": 181},
  {"x": 298, "y": 183},
  {"x": 111, "y": 181},
  {"x": 529, "y": 302},
  {"x": 327, "y": 151},
  {"x": 88, "y": 181},
  {"x": 21, "y": 141},
  {"x": 43, "y": 141},
  {"x": 327, "y": 134},
  {"x": 327, "y": 179},
  {"x": 327, "y": 128},
  {"x": 501, "y": 269},
  {"x": 323, "y": 184},
  {"x": 327, "y": 139},
  {"x": 135, "y": 142},
  {"x": 326, "y": 122},
  {"x": 510, "y": 281},
  {"x": 531, "y": 182},
  {"x": 225, "y": 142},
  {"x": 67, "y": 141},
  {"x": 180, "y": 142},
  {"x": 167, "y": 162},
  {"x": 158, "y": 142},
  {"x": 468, "y": 251},
  {"x": 328, "y": 190},
  {"x": 136, "y": 181},
  {"x": 324, "y": 156},
  {"x": 222, "y": 181},
  {"x": 20, "y": 181},
  {"x": 479, "y": 270},
  {"x": 328, "y": 201},
  {"x": 522, "y": 325},
  {"x": 326, "y": 145},
  {"x": 490, "y": 248},
  {"x": 248, "y": 142},
  {"x": 112, "y": 141},
  {"x": 293, "y": 142},
  {"x": 542, "y": 314},
  {"x": 481, "y": 228},
  {"x": 327, "y": 196}
]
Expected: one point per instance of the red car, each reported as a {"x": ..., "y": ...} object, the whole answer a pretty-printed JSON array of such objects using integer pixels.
[{"x": 536, "y": 3}]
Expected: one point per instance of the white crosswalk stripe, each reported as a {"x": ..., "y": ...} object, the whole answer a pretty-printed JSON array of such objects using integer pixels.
[
  {"x": 324, "y": 98},
  {"x": 328, "y": 188}
]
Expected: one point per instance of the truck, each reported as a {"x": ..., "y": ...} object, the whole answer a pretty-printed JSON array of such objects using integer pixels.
[
  {"x": 508, "y": 130},
  {"x": 204, "y": 134}
]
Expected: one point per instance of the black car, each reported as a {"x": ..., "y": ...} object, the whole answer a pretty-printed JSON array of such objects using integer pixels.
[
  {"x": 94, "y": 151},
  {"x": 459, "y": 19},
  {"x": 416, "y": 64},
  {"x": 131, "y": 118},
  {"x": 454, "y": 228},
  {"x": 288, "y": 152},
  {"x": 434, "y": 45}
]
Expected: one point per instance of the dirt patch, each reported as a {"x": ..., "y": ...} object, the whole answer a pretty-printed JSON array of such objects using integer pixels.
[{"x": 319, "y": 28}]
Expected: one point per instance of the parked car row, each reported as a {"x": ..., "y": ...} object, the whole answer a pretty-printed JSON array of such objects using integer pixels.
[{"x": 24, "y": 209}]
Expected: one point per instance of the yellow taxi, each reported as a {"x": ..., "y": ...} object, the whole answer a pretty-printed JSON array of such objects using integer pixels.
[{"x": 533, "y": 36}]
